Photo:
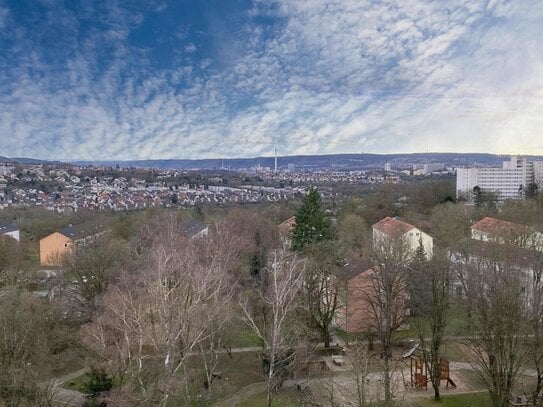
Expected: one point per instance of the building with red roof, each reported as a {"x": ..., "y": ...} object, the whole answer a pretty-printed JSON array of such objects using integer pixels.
[
  {"x": 500, "y": 231},
  {"x": 393, "y": 228}
]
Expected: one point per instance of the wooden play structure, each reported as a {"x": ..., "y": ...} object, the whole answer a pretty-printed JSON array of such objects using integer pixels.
[{"x": 418, "y": 367}]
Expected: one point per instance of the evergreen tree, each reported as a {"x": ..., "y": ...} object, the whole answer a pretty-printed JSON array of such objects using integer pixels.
[{"x": 312, "y": 225}]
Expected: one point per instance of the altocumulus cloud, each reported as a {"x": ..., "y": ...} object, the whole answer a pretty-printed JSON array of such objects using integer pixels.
[{"x": 119, "y": 80}]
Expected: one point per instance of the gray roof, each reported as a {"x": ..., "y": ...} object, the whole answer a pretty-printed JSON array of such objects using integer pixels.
[
  {"x": 353, "y": 265},
  {"x": 192, "y": 227},
  {"x": 82, "y": 230},
  {"x": 6, "y": 228}
]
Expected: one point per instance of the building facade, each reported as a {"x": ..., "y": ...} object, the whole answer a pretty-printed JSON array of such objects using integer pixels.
[
  {"x": 390, "y": 228},
  {"x": 509, "y": 182}
]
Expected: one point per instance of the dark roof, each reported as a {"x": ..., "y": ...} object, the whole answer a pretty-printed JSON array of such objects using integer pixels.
[
  {"x": 192, "y": 227},
  {"x": 6, "y": 228},
  {"x": 82, "y": 230},
  {"x": 353, "y": 265}
]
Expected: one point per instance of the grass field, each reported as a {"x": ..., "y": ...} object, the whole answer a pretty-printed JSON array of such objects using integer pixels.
[{"x": 285, "y": 399}]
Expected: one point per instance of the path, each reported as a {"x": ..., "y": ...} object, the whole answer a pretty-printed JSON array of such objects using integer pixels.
[{"x": 66, "y": 397}]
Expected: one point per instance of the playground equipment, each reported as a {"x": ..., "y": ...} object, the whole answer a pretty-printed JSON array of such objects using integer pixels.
[{"x": 418, "y": 367}]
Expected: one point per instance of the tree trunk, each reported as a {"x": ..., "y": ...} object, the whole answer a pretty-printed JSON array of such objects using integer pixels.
[
  {"x": 388, "y": 390},
  {"x": 326, "y": 337}
]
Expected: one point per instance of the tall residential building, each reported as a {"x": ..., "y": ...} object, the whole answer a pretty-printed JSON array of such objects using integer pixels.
[{"x": 508, "y": 182}]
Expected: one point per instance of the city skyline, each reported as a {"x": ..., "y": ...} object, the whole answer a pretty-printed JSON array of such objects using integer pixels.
[{"x": 210, "y": 79}]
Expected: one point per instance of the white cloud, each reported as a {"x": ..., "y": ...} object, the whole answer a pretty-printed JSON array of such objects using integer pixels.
[
  {"x": 190, "y": 47},
  {"x": 335, "y": 76}
]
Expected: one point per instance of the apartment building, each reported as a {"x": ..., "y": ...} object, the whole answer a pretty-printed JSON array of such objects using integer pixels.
[{"x": 508, "y": 182}]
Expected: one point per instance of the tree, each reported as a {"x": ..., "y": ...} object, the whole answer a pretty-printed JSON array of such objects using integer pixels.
[
  {"x": 498, "y": 307},
  {"x": 312, "y": 225},
  {"x": 169, "y": 308},
  {"x": 10, "y": 259},
  {"x": 483, "y": 198},
  {"x": 23, "y": 350},
  {"x": 386, "y": 296},
  {"x": 531, "y": 190},
  {"x": 353, "y": 233},
  {"x": 276, "y": 326},
  {"x": 450, "y": 224},
  {"x": 321, "y": 286},
  {"x": 535, "y": 317},
  {"x": 430, "y": 297},
  {"x": 92, "y": 266}
]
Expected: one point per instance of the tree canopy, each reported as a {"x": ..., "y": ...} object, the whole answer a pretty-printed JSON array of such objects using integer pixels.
[{"x": 312, "y": 224}]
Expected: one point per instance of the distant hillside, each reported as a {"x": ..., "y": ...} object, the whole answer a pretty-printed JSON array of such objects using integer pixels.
[
  {"x": 24, "y": 160},
  {"x": 338, "y": 161}
]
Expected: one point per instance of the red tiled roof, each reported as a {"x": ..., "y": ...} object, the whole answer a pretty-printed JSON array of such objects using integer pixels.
[
  {"x": 499, "y": 227},
  {"x": 393, "y": 226}
]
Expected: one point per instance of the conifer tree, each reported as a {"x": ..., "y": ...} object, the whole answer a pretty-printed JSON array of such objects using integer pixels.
[{"x": 312, "y": 225}]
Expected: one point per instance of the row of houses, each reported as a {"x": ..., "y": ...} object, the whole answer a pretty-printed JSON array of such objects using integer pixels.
[{"x": 355, "y": 315}]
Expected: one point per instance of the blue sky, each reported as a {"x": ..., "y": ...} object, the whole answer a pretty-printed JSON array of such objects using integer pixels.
[{"x": 230, "y": 78}]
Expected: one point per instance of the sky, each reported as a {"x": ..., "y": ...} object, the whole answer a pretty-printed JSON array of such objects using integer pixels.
[{"x": 127, "y": 80}]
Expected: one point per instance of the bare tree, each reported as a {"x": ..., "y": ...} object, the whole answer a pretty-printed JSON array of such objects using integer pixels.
[
  {"x": 385, "y": 295},
  {"x": 431, "y": 299},
  {"x": 276, "y": 326},
  {"x": 535, "y": 317},
  {"x": 321, "y": 286},
  {"x": 169, "y": 309},
  {"x": 92, "y": 267},
  {"x": 23, "y": 350},
  {"x": 498, "y": 312}
]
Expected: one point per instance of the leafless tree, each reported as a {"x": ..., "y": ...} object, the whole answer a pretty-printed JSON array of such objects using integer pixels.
[
  {"x": 431, "y": 299},
  {"x": 385, "y": 295},
  {"x": 92, "y": 266},
  {"x": 23, "y": 350},
  {"x": 321, "y": 286},
  {"x": 168, "y": 310},
  {"x": 275, "y": 326},
  {"x": 499, "y": 320},
  {"x": 535, "y": 316}
]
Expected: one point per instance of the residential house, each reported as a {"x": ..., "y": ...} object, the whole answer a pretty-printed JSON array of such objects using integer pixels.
[
  {"x": 499, "y": 231},
  {"x": 518, "y": 246},
  {"x": 64, "y": 241},
  {"x": 392, "y": 228},
  {"x": 9, "y": 230},
  {"x": 357, "y": 295},
  {"x": 193, "y": 229}
]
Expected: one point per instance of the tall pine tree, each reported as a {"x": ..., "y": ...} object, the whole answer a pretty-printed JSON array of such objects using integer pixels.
[{"x": 312, "y": 225}]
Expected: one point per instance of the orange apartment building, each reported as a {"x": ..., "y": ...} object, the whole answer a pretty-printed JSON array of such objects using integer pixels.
[{"x": 62, "y": 242}]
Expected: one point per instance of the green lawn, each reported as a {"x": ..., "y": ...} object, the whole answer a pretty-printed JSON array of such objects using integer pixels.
[
  {"x": 244, "y": 337},
  {"x": 78, "y": 383},
  {"x": 280, "y": 400},
  {"x": 459, "y": 400}
]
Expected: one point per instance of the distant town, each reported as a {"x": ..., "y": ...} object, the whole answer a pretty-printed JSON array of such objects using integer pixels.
[{"x": 68, "y": 187}]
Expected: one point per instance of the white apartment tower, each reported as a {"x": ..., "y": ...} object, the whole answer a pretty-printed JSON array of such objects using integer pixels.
[{"x": 508, "y": 182}]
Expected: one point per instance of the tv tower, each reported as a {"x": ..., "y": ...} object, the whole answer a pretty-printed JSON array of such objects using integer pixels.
[{"x": 275, "y": 168}]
